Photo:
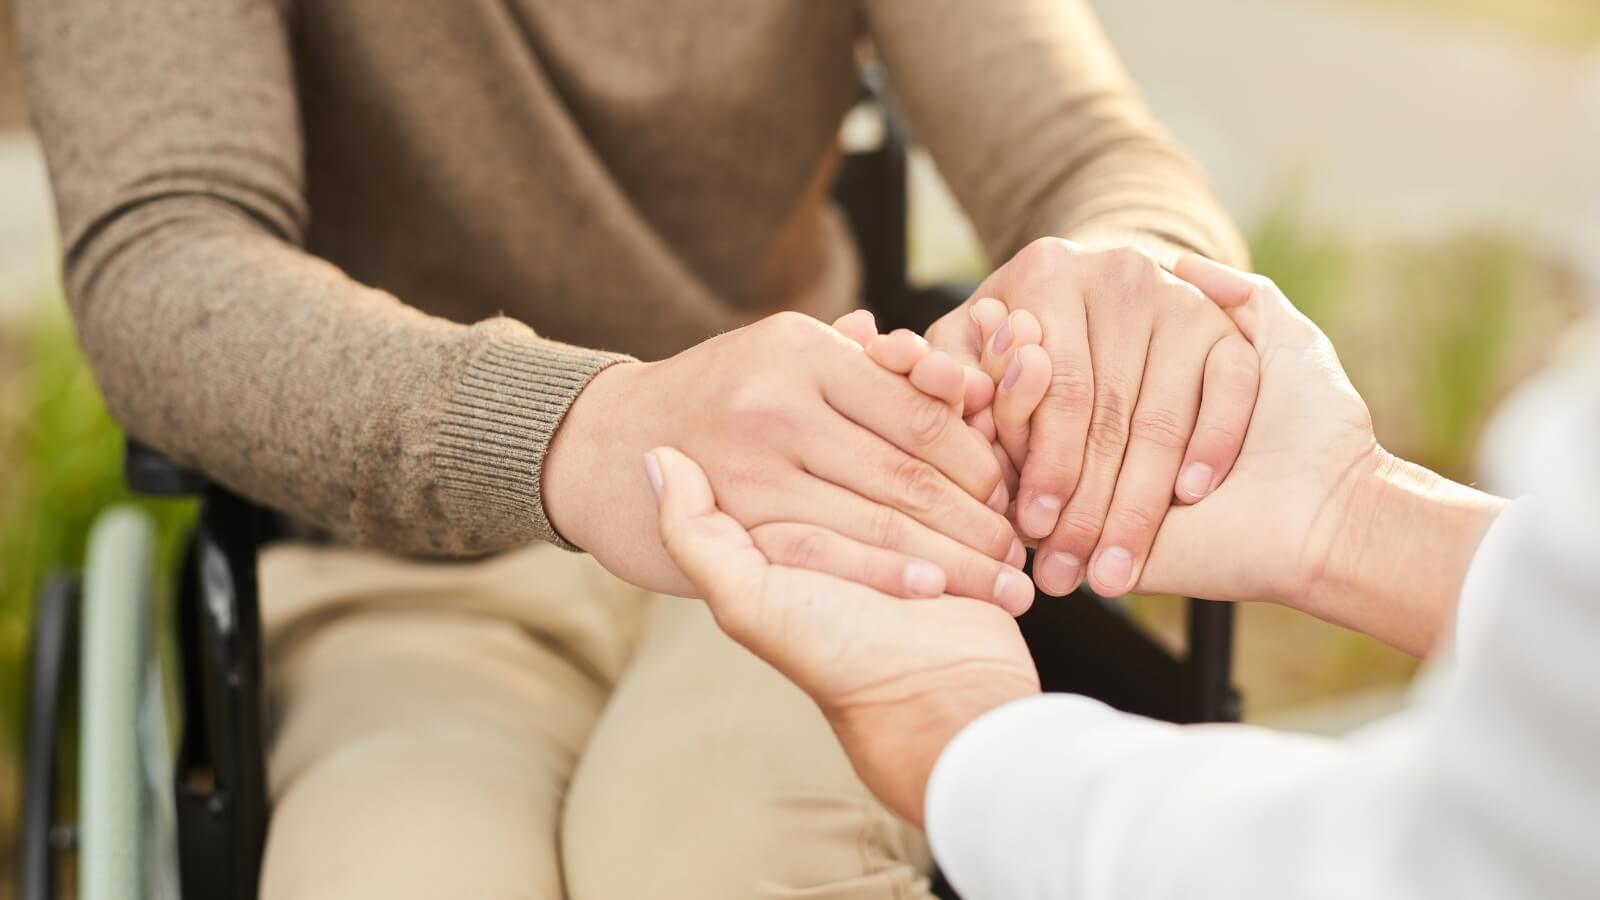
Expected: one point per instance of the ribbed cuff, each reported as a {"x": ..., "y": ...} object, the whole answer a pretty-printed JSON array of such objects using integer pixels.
[{"x": 497, "y": 428}]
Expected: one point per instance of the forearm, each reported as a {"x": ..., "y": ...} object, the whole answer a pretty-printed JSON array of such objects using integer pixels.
[
  {"x": 172, "y": 134},
  {"x": 1145, "y": 193},
  {"x": 1398, "y": 556},
  {"x": 279, "y": 376}
]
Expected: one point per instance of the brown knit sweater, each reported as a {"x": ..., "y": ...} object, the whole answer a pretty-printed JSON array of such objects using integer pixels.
[{"x": 356, "y": 258}]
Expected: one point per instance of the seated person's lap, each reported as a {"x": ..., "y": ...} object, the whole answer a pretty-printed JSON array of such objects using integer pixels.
[{"x": 476, "y": 729}]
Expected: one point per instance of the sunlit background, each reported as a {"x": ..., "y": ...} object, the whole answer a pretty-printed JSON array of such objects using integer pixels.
[{"x": 1421, "y": 176}]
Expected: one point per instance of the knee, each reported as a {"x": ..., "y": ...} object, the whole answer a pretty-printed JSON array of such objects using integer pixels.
[{"x": 697, "y": 829}]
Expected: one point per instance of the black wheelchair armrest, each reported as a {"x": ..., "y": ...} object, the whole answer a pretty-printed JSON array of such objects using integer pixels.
[{"x": 148, "y": 472}]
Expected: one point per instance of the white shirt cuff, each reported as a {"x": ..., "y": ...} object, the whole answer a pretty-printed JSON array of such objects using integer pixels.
[
  {"x": 1007, "y": 781},
  {"x": 1485, "y": 578}
]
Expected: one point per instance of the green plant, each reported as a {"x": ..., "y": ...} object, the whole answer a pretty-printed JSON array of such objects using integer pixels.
[
  {"x": 1458, "y": 337},
  {"x": 1313, "y": 268},
  {"x": 63, "y": 459}
]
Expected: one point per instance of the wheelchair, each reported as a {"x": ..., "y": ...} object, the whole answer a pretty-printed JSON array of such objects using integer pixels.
[{"x": 158, "y": 821}]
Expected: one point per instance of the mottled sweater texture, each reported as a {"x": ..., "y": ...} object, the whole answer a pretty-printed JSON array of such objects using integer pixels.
[{"x": 356, "y": 258}]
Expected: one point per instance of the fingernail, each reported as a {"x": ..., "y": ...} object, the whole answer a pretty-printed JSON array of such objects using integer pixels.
[
  {"x": 1039, "y": 516},
  {"x": 1012, "y": 590},
  {"x": 1058, "y": 573},
  {"x": 652, "y": 473},
  {"x": 1017, "y": 555},
  {"x": 1012, "y": 371},
  {"x": 923, "y": 579},
  {"x": 1195, "y": 481},
  {"x": 999, "y": 499},
  {"x": 1114, "y": 569},
  {"x": 1002, "y": 337}
]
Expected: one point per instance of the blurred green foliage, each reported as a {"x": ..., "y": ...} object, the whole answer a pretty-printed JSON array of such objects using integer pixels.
[
  {"x": 1458, "y": 357},
  {"x": 1313, "y": 269},
  {"x": 62, "y": 456}
]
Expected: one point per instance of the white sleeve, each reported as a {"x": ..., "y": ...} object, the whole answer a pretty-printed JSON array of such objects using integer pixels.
[{"x": 1487, "y": 785}]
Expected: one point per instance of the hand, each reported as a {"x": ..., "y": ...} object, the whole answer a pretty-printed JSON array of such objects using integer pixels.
[
  {"x": 1316, "y": 515},
  {"x": 1149, "y": 395},
  {"x": 897, "y": 679},
  {"x": 999, "y": 410},
  {"x": 831, "y": 462}
]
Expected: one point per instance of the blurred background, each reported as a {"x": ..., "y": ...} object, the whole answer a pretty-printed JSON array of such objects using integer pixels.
[{"x": 1420, "y": 176}]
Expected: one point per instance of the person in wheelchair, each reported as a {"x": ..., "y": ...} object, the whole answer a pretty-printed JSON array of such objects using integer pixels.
[{"x": 429, "y": 279}]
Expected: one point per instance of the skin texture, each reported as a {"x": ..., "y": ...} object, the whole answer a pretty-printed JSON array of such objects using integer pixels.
[
  {"x": 1000, "y": 408},
  {"x": 1147, "y": 380},
  {"x": 831, "y": 462},
  {"x": 895, "y": 678},
  {"x": 1315, "y": 515}
]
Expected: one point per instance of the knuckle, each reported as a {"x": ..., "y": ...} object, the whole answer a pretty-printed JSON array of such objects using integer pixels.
[
  {"x": 887, "y": 528},
  {"x": 790, "y": 321},
  {"x": 1133, "y": 520},
  {"x": 917, "y": 484},
  {"x": 755, "y": 407},
  {"x": 972, "y": 574},
  {"x": 791, "y": 329},
  {"x": 1108, "y": 423},
  {"x": 1047, "y": 257},
  {"x": 1216, "y": 435},
  {"x": 997, "y": 544},
  {"x": 1261, "y": 284},
  {"x": 1080, "y": 528},
  {"x": 1161, "y": 427},
  {"x": 926, "y": 420},
  {"x": 1239, "y": 375},
  {"x": 1054, "y": 475},
  {"x": 1128, "y": 270},
  {"x": 1071, "y": 388},
  {"x": 805, "y": 548}
]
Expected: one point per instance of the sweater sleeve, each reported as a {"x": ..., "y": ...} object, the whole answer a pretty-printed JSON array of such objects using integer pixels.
[
  {"x": 172, "y": 135},
  {"x": 1040, "y": 131}
]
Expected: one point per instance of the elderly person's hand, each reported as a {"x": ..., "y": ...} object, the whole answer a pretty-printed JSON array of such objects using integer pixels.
[
  {"x": 895, "y": 678},
  {"x": 1149, "y": 395}
]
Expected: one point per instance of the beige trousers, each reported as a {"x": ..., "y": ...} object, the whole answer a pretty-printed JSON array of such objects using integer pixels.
[{"x": 531, "y": 727}]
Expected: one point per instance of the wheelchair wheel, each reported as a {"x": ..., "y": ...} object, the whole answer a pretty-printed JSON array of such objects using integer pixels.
[{"x": 123, "y": 754}]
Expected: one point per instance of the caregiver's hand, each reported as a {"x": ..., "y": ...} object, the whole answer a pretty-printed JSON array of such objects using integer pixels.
[
  {"x": 1150, "y": 393},
  {"x": 830, "y": 461},
  {"x": 1316, "y": 515},
  {"x": 897, "y": 679}
]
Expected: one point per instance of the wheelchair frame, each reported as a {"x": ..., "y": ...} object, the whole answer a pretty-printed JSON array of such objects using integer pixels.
[{"x": 1081, "y": 645}]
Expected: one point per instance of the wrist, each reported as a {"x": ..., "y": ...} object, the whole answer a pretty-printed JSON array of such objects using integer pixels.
[
  {"x": 895, "y": 746},
  {"x": 1399, "y": 552},
  {"x": 572, "y": 483}
]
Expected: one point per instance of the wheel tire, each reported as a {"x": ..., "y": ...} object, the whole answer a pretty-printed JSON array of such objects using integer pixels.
[
  {"x": 117, "y": 589},
  {"x": 52, "y": 660}
]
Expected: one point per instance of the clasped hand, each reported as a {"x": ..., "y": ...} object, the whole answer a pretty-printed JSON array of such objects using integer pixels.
[
  {"x": 1093, "y": 379},
  {"x": 898, "y": 679}
]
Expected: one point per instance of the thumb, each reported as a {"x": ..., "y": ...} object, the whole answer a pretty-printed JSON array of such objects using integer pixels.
[
  {"x": 1261, "y": 311},
  {"x": 712, "y": 550}
]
